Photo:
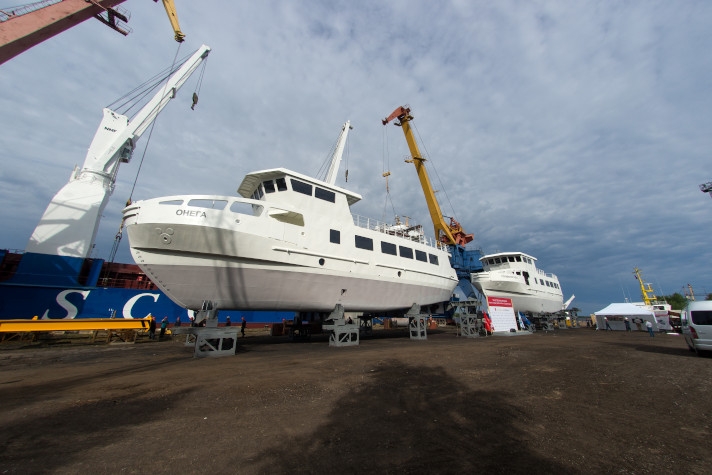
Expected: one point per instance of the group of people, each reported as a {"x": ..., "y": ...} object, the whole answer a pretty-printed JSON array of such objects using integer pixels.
[
  {"x": 626, "y": 321},
  {"x": 152, "y": 327},
  {"x": 164, "y": 325}
]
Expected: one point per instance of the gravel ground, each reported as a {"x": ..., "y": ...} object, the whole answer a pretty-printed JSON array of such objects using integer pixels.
[{"x": 570, "y": 401}]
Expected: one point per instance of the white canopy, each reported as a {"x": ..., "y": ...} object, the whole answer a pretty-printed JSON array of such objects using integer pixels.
[{"x": 625, "y": 309}]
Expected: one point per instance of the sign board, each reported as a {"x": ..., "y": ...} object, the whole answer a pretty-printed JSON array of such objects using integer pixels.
[{"x": 501, "y": 312}]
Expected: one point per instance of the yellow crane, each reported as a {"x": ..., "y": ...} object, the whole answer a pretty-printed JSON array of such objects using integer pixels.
[
  {"x": 173, "y": 18},
  {"x": 646, "y": 289},
  {"x": 448, "y": 233}
]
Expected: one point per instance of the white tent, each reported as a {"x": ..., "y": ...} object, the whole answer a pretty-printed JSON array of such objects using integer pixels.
[{"x": 617, "y": 312}]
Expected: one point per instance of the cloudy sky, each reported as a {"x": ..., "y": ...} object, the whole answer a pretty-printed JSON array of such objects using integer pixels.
[{"x": 575, "y": 131}]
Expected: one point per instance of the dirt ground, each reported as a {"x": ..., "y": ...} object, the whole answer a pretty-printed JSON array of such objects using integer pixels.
[{"x": 570, "y": 401}]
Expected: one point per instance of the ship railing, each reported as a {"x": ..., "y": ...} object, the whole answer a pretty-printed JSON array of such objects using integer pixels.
[
  {"x": 542, "y": 273},
  {"x": 410, "y": 233}
]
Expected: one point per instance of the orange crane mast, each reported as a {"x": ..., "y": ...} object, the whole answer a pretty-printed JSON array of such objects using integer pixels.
[{"x": 447, "y": 233}]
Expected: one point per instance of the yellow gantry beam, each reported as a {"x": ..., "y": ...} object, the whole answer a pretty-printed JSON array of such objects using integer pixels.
[{"x": 79, "y": 324}]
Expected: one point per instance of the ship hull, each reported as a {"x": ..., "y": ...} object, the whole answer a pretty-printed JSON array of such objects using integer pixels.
[
  {"x": 278, "y": 286},
  {"x": 256, "y": 262},
  {"x": 526, "y": 302}
]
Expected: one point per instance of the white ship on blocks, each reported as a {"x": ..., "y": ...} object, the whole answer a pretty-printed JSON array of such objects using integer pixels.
[
  {"x": 514, "y": 275},
  {"x": 287, "y": 242}
]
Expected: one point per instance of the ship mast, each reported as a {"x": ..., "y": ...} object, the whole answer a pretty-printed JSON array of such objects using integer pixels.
[{"x": 338, "y": 153}]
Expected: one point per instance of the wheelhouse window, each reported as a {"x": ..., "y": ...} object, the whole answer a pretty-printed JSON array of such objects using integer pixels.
[
  {"x": 301, "y": 187},
  {"x": 281, "y": 184},
  {"x": 335, "y": 236},
  {"x": 388, "y": 248},
  {"x": 325, "y": 195},
  {"x": 364, "y": 242},
  {"x": 269, "y": 186},
  {"x": 421, "y": 256},
  {"x": 433, "y": 259},
  {"x": 259, "y": 193},
  {"x": 405, "y": 252}
]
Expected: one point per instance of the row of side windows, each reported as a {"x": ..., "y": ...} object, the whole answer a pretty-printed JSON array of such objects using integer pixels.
[
  {"x": 547, "y": 283},
  {"x": 504, "y": 259},
  {"x": 362, "y": 242}
]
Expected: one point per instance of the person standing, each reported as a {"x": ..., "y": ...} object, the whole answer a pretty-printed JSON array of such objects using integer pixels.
[
  {"x": 151, "y": 327},
  {"x": 608, "y": 327},
  {"x": 649, "y": 326},
  {"x": 164, "y": 326},
  {"x": 487, "y": 322},
  {"x": 627, "y": 324},
  {"x": 243, "y": 324},
  {"x": 178, "y": 321},
  {"x": 227, "y": 321}
]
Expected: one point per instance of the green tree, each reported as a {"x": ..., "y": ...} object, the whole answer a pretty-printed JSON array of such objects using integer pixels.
[{"x": 677, "y": 301}]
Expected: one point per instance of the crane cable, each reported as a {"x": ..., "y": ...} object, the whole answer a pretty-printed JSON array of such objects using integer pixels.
[
  {"x": 385, "y": 167},
  {"x": 120, "y": 232},
  {"x": 199, "y": 84}
]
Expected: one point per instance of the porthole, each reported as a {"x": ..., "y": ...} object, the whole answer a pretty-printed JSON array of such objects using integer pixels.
[
  {"x": 399, "y": 273},
  {"x": 321, "y": 262}
]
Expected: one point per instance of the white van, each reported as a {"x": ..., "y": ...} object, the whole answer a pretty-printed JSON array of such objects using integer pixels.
[{"x": 696, "y": 324}]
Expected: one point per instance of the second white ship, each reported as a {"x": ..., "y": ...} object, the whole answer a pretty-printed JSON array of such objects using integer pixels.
[{"x": 514, "y": 275}]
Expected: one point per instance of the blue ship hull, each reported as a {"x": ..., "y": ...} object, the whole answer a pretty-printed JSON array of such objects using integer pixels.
[
  {"x": 22, "y": 301},
  {"x": 46, "y": 286}
]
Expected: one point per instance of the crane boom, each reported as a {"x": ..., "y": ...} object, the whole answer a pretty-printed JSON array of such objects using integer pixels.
[
  {"x": 70, "y": 223},
  {"x": 338, "y": 153},
  {"x": 448, "y": 233},
  {"x": 173, "y": 18}
]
